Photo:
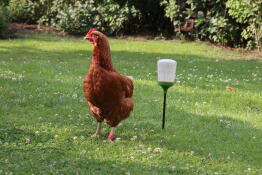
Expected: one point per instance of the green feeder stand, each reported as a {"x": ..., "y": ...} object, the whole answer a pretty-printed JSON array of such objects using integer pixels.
[{"x": 166, "y": 70}]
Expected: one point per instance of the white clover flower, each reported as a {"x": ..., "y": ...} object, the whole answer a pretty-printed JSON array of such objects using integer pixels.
[
  {"x": 27, "y": 140},
  {"x": 133, "y": 138},
  {"x": 74, "y": 96},
  {"x": 157, "y": 150}
]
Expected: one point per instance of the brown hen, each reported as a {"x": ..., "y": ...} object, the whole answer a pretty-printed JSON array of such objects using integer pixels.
[{"x": 108, "y": 93}]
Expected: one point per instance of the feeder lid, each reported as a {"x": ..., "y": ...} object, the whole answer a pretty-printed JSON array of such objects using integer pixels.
[{"x": 166, "y": 61}]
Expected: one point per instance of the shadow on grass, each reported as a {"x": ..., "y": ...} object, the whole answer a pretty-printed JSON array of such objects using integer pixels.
[
  {"x": 221, "y": 136},
  {"x": 52, "y": 160},
  {"x": 210, "y": 139}
]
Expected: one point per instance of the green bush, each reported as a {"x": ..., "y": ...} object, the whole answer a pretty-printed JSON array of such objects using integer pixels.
[
  {"x": 3, "y": 22},
  {"x": 235, "y": 23},
  {"x": 26, "y": 11},
  {"x": 152, "y": 17},
  {"x": 4, "y": 2},
  {"x": 78, "y": 16},
  {"x": 212, "y": 20},
  {"x": 249, "y": 14}
]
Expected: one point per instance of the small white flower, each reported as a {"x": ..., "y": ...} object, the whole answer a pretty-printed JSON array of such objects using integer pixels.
[
  {"x": 27, "y": 140},
  {"x": 127, "y": 173},
  {"x": 133, "y": 138},
  {"x": 141, "y": 146},
  {"x": 209, "y": 155},
  {"x": 157, "y": 150},
  {"x": 74, "y": 96},
  {"x": 75, "y": 137},
  {"x": 173, "y": 168}
]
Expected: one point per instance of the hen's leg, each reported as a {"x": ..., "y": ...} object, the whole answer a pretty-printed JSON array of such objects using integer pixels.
[
  {"x": 111, "y": 135},
  {"x": 98, "y": 130}
]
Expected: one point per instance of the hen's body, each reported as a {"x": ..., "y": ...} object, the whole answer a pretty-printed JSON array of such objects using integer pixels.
[{"x": 108, "y": 94}]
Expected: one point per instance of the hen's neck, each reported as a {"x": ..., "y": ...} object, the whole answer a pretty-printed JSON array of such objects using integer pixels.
[{"x": 102, "y": 57}]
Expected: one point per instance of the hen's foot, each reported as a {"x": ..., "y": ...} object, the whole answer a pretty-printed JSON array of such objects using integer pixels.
[
  {"x": 110, "y": 137},
  {"x": 98, "y": 130}
]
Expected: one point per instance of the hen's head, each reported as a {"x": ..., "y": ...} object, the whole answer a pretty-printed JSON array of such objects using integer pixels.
[{"x": 95, "y": 37}]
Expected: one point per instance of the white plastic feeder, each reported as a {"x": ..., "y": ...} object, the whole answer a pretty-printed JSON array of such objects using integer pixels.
[{"x": 166, "y": 74}]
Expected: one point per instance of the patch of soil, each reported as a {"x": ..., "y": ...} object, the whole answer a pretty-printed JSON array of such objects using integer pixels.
[
  {"x": 136, "y": 37},
  {"x": 32, "y": 28}
]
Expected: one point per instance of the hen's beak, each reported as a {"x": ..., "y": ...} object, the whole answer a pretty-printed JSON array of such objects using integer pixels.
[{"x": 87, "y": 37}]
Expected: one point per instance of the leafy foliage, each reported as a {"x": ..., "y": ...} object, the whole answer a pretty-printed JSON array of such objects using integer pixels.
[
  {"x": 210, "y": 20},
  {"x": 3, "y": 21},
  {"x": 248, "y": 13},
  {"x": 234, "y": 23},
  {"x": 26, "y": 11},
  {"x": 228, "y": 22},
  {"x": 152, "y": 16},
  {"x": 4, "y": 2},
  {"x": 172, "y": 11},
  {"x": 74, "y": 16},
  {"x": 79, "y": 16}
]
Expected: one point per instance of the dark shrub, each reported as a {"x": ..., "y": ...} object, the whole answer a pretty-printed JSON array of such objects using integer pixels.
[
  {"x": 26, "y": 11},
  {"x": 3, "y": 22}
]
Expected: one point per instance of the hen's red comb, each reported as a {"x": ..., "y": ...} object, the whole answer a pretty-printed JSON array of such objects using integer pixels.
[{"x": 91, "y": 31}]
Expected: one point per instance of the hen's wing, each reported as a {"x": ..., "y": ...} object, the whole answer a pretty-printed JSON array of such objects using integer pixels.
[{"x": 127, "y": 86}]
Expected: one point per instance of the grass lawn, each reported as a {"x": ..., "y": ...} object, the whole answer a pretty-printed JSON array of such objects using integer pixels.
[{"x": 45, "y": 125}]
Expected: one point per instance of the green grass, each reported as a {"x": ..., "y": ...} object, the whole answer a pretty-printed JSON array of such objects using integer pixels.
[{"x": 45, "y": 123}]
